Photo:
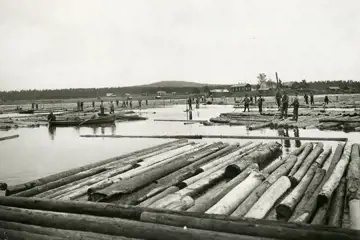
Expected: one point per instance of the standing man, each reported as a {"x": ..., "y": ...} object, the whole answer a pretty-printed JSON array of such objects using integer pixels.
[
  {"x": 139, "y": 103},
  {"x": 37, "y": 106},
  {"x": 246, "y": 103},
  {"x": 117, "y": 102},
  {"x": 146, "y": 102},
  {"x": 82, "y": 105},
  {"x": 326, "y": 100},
  {"x": 285, "y": 105},
  {"x": 112, "y": 107},
  {"x": 130, "y": 103},
  {"x": 278, "y": 98},
  {"x": 251, "y": 99},
  {"x": 93, "y": 104},
  {"x": 306, "y": 99},
  {"x": 296, "y": 104},
  {"x": 311, "y": 98},
  {"x": 260, "y": 104},
  {"x": 190, "y": 103},
  {"x": 102, "y": 109}
]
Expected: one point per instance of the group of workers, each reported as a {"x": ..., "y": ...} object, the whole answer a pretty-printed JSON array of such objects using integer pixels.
[{"x": 283, "y": 103}]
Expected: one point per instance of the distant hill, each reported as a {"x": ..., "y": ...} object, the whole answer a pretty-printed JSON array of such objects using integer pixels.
[{"x": 173, "y": 84}]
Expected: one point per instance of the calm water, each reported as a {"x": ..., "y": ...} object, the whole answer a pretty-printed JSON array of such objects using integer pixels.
[{"x": 39, "y": 152}]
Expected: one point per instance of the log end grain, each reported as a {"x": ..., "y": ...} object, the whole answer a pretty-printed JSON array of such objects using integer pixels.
[
  {"x": 232, "y": 171},
  {"x": 283, "y": 211}
]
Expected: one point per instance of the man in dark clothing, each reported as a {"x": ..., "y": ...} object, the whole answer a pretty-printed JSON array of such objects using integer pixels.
[
  {"x": 190, "y": 103},
  {"x": 251, "y": 99},
  {"x": 102, "y": 109},
  {"x": 311, "y": 98},
  {"x": 93, "y": 104},
  {"x": 130, "y": 104},
  {"x": 278, "y": 98},
  {"x": 306, "y": 97},
  {"x": 285, "y": 105},
  {"x": 296, "y": 104},
  {"x": 112, "y": 107},
  {"x": 117, "y": 103},
  {"x": 326, "y": 100},
  {"x": 146, "y": 102},
  {"x": 246, "y": 103},
  {"x": 37, "y": 106},
  {"x": 51, "y": 116},
  {"x": 139, "y": 103},
  {"x": 260, "y": 103}
]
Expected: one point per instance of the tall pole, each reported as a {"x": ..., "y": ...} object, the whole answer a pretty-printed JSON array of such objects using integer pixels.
[{"x": 277, "y": 80}]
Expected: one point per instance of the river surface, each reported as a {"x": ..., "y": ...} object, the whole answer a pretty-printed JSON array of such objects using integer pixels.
[{"x": 39, "y": 152}]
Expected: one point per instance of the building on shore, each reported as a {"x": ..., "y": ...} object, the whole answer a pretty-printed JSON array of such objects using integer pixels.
[{"x": 241, "y": 87}]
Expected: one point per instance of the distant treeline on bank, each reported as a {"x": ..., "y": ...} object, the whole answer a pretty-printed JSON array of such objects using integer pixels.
[{"x": 319, "y": 87}]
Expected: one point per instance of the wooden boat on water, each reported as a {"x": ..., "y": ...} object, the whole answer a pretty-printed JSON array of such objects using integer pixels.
[
  {"x": 30, "y": 111},
  {"x": 102, "y": 120},
  {"x": 126, "y": 117}
]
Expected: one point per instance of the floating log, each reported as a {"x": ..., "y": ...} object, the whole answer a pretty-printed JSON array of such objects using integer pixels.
[
  {"x": 13, "y": 234},
  {"x": 159, "y": 196},
  {"x": 337, "y": 205},
  {"x": 131, "y": 184},
  {"x": 110, "y": 226},
  {"x": 51, "y": 185},
  {"x": 340, "y": 120},
  {"x": 300, "y": 208},
  {"x": 306, "y": 213},
  {"x": 334, "y": 180},
  {"x": 300, "y": 173},
  {"x": 354, "y": 209},
  {"x": 275, "y": 164},
  {"x": 234, "y": 198},
  {"x": 287, "y": 206},
  {"x": 49, "y": 233},
  {"x": 220, "y": 136},
  {"x": 353, "y": 173},
  {"x": 247, "y": 204},
  {"x": 308, "y": 148},
  {"x": 174, "y": 178},
  {"x": 24, "y": 186},
  {"x": 248, "y": 227},
  {"x": 260, "y": 125},
  {"x": 205, "y": 205},
  {"x": 182, "y": 204},
  {"x": 9, "y": 137},
  {"x": 268, "y": 199},
  {"x": 265, "y": 153},
  {"x": 179, "y": 120}
]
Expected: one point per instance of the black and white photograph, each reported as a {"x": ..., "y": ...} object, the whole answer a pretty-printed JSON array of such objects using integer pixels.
[{"x": 179, "y": 120}]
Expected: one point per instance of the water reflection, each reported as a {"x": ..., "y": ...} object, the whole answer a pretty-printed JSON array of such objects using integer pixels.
[
  {"x": 52, "y": 131},
  {"x": 296, "y": 134}
]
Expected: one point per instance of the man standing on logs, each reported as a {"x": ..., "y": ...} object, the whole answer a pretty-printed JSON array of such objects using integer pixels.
[
  {"x": 260, "y": 103},
  {"x": 102, "y": 109},
  {"x": 285, "y": 105},
  {"x": 311, "y": 98},
  {"x": 306, "y": 97},
  {"x": 278, "y": 98},
  {"x": 326, "y": 100},
  {"x": 296, "y": 104},
  {"x": 246, "y": 102}
]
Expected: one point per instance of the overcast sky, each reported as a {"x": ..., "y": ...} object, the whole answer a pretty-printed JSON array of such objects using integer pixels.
[{"x": 104, "y": 43}]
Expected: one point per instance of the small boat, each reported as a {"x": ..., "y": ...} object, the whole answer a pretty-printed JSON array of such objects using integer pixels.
[
  {"x": 102, "y": 120},
  {"x": 126, "y": 117},
  {"x": 30, "y": 111}
]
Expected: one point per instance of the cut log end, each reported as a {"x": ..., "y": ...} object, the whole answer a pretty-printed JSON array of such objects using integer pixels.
[
  {"x": 232, "y": 171},
  {"x": 283, "y": 211},
  {"x": 96, "y": 197},
  {"x": 322, "y": 200},
  {"x": 294, "y": 181},
  {"x": 3, "y": 186},
  {"x": 181, "y": 185}
]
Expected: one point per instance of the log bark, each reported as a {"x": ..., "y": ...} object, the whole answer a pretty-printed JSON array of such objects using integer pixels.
[
  {"x": 110, "y": 226},
  {"x": 268, "y": 199},
  {"x": 129, "y": 185},
  {"x": 334, "y": 180},
  {"x": 300, "y": 208},
  {"x": 353, "y": 173},
  {"x": 204, "y": 198},
  {"x": 159, "y": 196},
  {"x": 311, "y": 205},
  {"x": 181, "y": 205},
  {"x": 337, "y": 205},
  {"x": 21, "y": 235},
  {"x": 354, "y": 209},
  {"x": 201, "y": 208},
  {"x": 261, "y": 155},
  {"x": 308, "y": 148},
  {"x": 55, "y": 232},
  {"x": 9, "y": 137},
  {"x": 134, "y": 213},
  {"x": 323, "y": 157},
  {"x": 287, "y": 206},
  {"x": 24, "y": 186},
  {"x": 260, "y": 125},
  {"x": 51, "y": 185},
  {"x": 258, "y": 192},
  {"x": 180, "y": 175},
  {"x": 248, "y": 227},
  {"x": 300, "y": 173},
  {"x": 238, "y": 194}
]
